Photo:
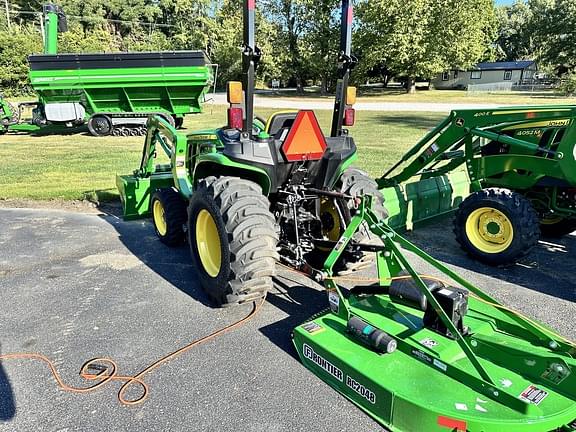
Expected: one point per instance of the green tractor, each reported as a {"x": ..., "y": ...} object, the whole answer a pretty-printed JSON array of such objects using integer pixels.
[
  {"x": 254, "y": 192},
  {"x": 9, "y": 115},
  {"x": 521, "y": 179},
  {"x": 413, "y": 351}
]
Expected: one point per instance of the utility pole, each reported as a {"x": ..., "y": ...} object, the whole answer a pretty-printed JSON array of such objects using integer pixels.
[{"x": 7, "y": 13}]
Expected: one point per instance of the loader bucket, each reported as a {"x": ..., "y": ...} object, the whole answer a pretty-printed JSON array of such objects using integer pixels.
[{"x": 419, "y": 201}]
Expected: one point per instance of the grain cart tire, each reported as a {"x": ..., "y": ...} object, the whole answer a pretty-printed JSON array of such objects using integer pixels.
[
  {"x": 100, "y": 125},
  {"x": 557, "y": 227},
  {"x": 169, "y": 216},
  {"x": 233, "y": 238},
  {"x": 358, "y": 183},
  {"x": 496, "y": 226}
]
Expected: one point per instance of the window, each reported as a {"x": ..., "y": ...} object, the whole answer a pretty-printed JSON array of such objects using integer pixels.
[
  {"x": 507, "y": 75},
  {"x": 445, "y": 76},
  {"x": 476, "y": 74},
  {"x": 455, "y": 74}
]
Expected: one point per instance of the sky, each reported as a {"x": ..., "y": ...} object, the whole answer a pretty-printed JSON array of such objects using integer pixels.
[{"x": 503, "y": 2}]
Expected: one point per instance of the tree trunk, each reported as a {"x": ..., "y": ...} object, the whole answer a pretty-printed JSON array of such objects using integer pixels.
[
  {"x": 324, "y": 86},
  {"x": 386, "y": 80},
  {"x": 411, "y": 85},
  {"x": 299, "y": 86}
]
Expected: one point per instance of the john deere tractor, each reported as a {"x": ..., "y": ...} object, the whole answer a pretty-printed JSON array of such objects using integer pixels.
[
  {"x": 254, "y": 192},
  {"x": 520, "y": 166}
]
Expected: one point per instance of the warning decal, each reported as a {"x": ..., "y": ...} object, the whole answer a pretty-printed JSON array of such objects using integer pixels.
[
  {"x": 533, "y": 394},
  {"x": 312, "y": 327}
]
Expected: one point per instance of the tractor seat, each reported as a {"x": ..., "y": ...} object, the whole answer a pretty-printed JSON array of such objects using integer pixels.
[{"x": 279, "y": 122}]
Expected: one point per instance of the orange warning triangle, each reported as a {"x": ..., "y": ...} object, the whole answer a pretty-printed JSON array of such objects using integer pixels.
[{"x": 305, "y": 140}]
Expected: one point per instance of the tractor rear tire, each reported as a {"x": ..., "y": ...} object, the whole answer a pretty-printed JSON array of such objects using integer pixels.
[
  {"x": 169, "y": 216},
  {"x": 358, "y": 183},
  {"x": 558, "y": 228},
  {"x": 496, "y": 226},
  {"x": 233, "y": 237}
]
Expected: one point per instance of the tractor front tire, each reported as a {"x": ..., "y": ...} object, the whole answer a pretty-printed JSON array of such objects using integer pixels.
[
  {"x": 169, "y": 216},
  {"x": 496, "y": 226},
  {"x": 232, "y": 239}
]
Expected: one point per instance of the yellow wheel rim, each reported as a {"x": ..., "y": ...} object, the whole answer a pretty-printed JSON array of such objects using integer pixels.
[
  {"x": 331, "y": 224},
  {"x": 159, "y": 218},
  {"x": 208, "y": 243},
  {"x": 489, "y": 230}
]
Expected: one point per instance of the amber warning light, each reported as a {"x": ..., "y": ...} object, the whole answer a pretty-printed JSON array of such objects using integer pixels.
[
  {"x": 305, "y": 141},
  {"x": 235, "y": 98}
]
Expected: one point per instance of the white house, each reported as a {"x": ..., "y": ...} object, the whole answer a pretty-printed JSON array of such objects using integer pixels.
[{"x": 487, "y": 73}]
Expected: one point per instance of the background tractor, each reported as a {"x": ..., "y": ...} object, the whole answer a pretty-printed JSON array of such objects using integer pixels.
[
  {"x": 521, "y": 171},
  {"x": 254, "y": 191}
]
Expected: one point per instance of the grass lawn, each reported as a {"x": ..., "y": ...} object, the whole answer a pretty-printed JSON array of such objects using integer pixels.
[
  {"x": 442, "y": 96},
  {"x": 78, "y": 166}
]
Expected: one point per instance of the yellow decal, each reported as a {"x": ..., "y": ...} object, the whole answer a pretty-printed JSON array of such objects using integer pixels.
[
  {"x": 541, "y": 124},
  {"x": 202, "y": 137}
]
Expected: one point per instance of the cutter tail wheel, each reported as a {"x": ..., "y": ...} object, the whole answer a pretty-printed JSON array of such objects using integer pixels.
[
  {"x": 232, "y": 239},
  {"x": 358, "y": 183},
  {"x": 496, "y": 226},
  {"x": 100, "y": 125},
  {"x": 169, "y": 216},
  {"x": 557, "y": 226}
]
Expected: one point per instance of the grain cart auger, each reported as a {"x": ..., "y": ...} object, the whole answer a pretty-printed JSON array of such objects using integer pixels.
[
  {"x": 253, "y": 192},
  {"x": 522, "y": 171},
  {"x": 113, "y": 93},
  {"x": 429, "y": 353}
]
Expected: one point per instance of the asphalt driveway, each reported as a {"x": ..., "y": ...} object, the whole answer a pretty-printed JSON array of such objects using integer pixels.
[{"x": 76, "y": 286}]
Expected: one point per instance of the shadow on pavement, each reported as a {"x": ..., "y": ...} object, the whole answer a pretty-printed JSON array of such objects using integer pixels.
[
  {"x": 172, "y": 264},
  {"x": 297, "y": 301},
  {"x": 547, "y": 269},
  {"x": 290, "y": 295},
  {"x": 7, "y": 406}
]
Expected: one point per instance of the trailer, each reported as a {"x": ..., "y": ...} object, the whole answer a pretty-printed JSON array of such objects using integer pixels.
[{"x": 113, "y": 93}]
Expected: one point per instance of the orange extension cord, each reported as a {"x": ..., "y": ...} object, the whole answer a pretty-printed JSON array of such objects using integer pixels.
[{"x": 109, "y": 367}]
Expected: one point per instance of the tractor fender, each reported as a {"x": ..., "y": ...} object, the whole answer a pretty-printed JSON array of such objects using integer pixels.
[{"x": 217, "y": 164}]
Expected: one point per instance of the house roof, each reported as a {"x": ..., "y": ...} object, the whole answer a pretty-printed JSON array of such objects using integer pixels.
[{"x": 504, "y": 65}]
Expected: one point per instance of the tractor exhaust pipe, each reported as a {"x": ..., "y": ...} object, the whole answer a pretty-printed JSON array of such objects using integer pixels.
[
  {"x": 250, "y": 59},
  {"x": 347, "y": 62}
]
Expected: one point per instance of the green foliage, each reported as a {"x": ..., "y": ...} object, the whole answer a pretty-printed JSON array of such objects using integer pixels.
[
  {"x": 422, "y": 38},
  {"x": 516, "y": 32},
  {"x": 568, "y": 85},
  {"x": 80, "y": 40},
  {"x": 553, "y": 25},
  {"x": 15, "y": 46}
]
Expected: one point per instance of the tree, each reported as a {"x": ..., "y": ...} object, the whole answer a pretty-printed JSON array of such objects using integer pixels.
[
  {"x": 225, "y": 44},
  {"x": 320, "y": 42},
  {"x": 422, "y": 38},
  {"x": 15, "y": 46},
  {"x": 554, "y": 22},
  {"x": 516, "y": 32}
]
